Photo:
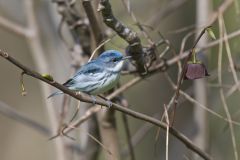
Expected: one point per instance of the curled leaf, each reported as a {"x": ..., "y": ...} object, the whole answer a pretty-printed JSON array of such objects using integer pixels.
[
  {"x": 48, "y": 77},
  {"x": 211, "y": 33}
]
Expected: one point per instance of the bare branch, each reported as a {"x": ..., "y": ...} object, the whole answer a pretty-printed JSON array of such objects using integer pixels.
[
  {"x": 94, "y": 24},
  {"x": 166, "y": 11},
  {"x": 135, "y": 46},
  {"x": 223, "y": 99},
  {"x": 19, "y": 117},
  {"x": 13, "y": 27},
  {"x": 128, "y": 135}
]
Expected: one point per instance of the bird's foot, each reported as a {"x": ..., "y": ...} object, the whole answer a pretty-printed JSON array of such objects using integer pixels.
[
  {"x": 109, "y": 103},
  {"x": 94, "y": 99},
  {"x": 78, "y": 93}
]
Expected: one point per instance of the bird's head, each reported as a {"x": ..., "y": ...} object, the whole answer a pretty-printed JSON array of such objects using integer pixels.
[{"x": 113, "y": 60}]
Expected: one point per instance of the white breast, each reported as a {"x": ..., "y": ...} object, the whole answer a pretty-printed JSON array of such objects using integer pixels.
[
  {"x": 107, "y": 84},
  {"x": 117, "y": 68}
]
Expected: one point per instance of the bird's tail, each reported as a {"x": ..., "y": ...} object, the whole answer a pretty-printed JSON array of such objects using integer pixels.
[{"x": 55, "y": 94}]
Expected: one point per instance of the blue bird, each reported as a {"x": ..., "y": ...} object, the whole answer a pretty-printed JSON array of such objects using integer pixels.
[{"x": 97, "y": 76}]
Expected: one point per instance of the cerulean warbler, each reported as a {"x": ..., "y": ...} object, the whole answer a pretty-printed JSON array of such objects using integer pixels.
[{"x": 97, "y": 76}]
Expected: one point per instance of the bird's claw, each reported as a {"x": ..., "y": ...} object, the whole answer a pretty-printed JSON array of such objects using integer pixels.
[
  {"x": 109, "y": 103},
  {"x": 94, "y": 99}
]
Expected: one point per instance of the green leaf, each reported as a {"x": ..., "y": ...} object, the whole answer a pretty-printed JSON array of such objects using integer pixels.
[
  {"x": 48, "y": 77},
  {"x": 211, "y": 33}
]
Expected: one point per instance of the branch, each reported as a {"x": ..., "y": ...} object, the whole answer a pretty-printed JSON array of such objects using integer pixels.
[
  {"x": 114, "y": 106},
  {"x": 135, "y": 46},
  {"x": 77, "y": 25},
  {"x": 222, "y": 31},
  {"x": 19, "y": 117},
  {"x": 200, "y": 86},
  {"x": 14, "y": 27},
  {"x": 94, "y": 24},
  {"x": 164, "y": 12},
  {"x": 127, "y": 129}
]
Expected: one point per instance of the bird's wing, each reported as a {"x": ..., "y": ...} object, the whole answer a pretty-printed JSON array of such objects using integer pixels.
[
  {"x": 91, "y": 68},
  {"x": 86, "y": 73}
]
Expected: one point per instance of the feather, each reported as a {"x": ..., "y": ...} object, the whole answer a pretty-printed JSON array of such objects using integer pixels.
[{"x": 55, "y": 94}]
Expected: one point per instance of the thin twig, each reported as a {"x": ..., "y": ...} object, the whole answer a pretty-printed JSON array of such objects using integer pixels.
[
  {"x": 20, "y": 117},
  {"x": 167, "y": 130},
  {"x": 129, "y": 9},
  {"x": 139, "y": 135},
  {"x": 96, "y": 140},
  {"x": 222, "y": 33},
  {"x": 166, "y": 11},
  {"x": 94, "y": 24},
  {"x": 233, "y": 89},
  {"x": 15, "y": 28},
  {"x": 96, "y": 49},
  {"x": 230, "y": 59},
  {"x": 128, "y": 134}
]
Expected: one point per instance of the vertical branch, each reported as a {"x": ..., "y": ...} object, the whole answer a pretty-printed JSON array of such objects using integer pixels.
[
  {"x": 200, "y": 86},
  {"x": 222, "y": 96},
  {"x": 167, "y": 130},
  {"x": 42, "y": 65},
  {"x": 108, "y": 131},
  {"x": 77, "y": 25},
  {"x": 134, "y": 18},
  {"x": 94, "y": 24},
  {"x": 127, "y": 129}
]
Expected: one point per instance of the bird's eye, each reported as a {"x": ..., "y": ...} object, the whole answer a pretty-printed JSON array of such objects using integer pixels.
[{"x": 115, "y": 60}]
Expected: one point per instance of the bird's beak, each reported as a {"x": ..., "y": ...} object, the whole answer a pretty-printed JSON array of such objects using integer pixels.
[{"x": 127, "y": 57}]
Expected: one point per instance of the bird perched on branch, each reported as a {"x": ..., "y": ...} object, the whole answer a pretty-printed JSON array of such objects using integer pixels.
[{"x": 97, "y": 76}]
